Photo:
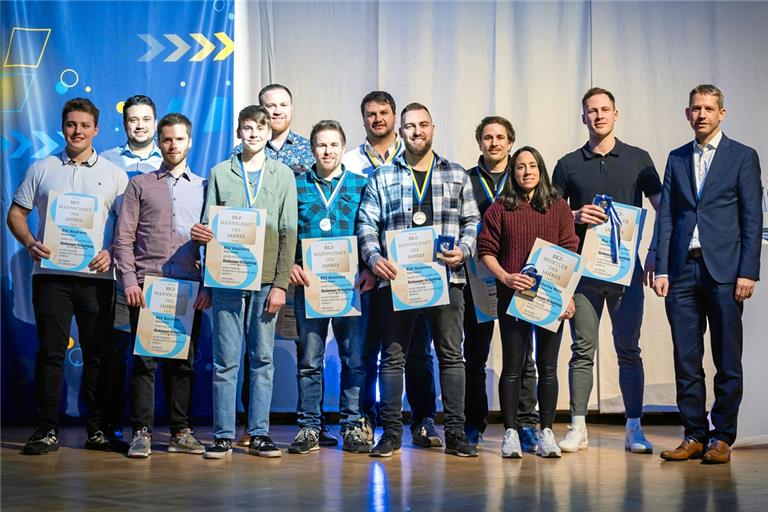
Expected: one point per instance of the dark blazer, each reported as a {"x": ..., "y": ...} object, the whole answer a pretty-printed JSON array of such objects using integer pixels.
[{"x": 728, "y": 213}]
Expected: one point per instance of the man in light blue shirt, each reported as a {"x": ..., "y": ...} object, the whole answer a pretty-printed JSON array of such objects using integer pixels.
[{"x": 140, "y": 154}]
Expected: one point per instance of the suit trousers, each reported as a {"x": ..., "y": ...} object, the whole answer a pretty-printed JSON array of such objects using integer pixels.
[{"x": 694, "y": 300}]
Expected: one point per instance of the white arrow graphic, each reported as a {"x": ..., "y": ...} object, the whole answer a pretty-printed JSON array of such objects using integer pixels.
[
  {"x": 154, "y": 48},
  {"x": 181, "y": 47}
]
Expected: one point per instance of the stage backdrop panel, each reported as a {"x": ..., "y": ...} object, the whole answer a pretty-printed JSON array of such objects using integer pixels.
[
  {"x": 530, "y": 62},
  {"x": 179, "y": 53}
]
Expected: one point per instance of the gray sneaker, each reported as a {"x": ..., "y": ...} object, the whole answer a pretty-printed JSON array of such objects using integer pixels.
[
  {"x": 141, "y": 444},
  {"x": 307, "y": 440},
  {"x": 355, "y": 440},
  {"x": 185, "y": 442}
]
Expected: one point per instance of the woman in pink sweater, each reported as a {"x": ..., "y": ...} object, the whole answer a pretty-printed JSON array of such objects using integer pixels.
[{"x": 528, "y": 208}]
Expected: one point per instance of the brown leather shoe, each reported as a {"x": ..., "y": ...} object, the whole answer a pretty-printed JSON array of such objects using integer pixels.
[
  {"x": 718, "y": 452},
  {"x": 688, "y": 449}
]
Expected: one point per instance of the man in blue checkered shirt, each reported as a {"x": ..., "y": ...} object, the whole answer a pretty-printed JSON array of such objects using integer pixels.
[
  {"x": 328, "y": 200},
  {"x": 420, "y": 188}
]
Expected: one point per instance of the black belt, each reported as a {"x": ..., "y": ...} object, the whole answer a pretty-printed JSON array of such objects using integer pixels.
[{"x": 694, "y": 254}]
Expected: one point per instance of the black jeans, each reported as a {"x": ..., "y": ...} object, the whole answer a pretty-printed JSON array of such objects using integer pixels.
[
  {"x": 477, "y": 347},
  {"x": 178, "y": 376},
  {"x": 516, "y": 344},
  {"x": 113, "y": 371},
  {"x": 56, "y": 299},
  {"x": 445, "y": 322},
  {"x": 419, "y": 369}
]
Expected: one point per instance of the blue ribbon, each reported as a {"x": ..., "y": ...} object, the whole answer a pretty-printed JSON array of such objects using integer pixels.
[{"x": 606, "y": 203}]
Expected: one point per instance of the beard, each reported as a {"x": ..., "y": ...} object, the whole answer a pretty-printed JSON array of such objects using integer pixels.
[{"x": 418, "y": 150}]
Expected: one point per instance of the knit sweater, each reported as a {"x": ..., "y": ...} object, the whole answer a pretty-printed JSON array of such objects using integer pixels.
[{"x": 509, "y": 235}]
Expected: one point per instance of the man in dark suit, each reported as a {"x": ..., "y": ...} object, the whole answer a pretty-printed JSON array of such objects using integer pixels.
[{"x": 708, "y": 258}]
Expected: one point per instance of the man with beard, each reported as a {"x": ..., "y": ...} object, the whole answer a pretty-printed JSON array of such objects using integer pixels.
[
  {"x": 152, "y": 238},
  {"x": 443, "y": 195},
  {"x": 382, "y": 146},
  {"x": 286, "y": 146},
  {"x": 137, "y": 156}
]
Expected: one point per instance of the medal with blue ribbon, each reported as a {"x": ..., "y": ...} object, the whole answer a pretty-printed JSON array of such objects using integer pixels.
[
  {"x": 250, "y": 195},
  {"x": 487, "y": 188},
  {"x": 606, "y": 203},
  {"x": 420, "y": 217},
  {"x": 376, "y": 162},
  {"x": 325, "y": 223}
]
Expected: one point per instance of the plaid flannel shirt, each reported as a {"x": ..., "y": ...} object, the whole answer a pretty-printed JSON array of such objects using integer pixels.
[
  {"x": 343, "y": 212},
  {"x": 388, "y": 205}
]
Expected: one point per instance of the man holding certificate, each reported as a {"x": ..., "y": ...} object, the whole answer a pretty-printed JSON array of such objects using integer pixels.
[
  {"x": 708, "y": 262},
  {"x": 495, "y": 137},
  {"x": 382, "y": 145},
  {"x": 421, "y": 190},
  {"x": 249, "y": 183},
  {"x": 76, "y": 194},
  {"x": 529, "y": 209},
  {"x": 325, "y": 276},
  {"x": 606, "y": 166},
  {"x": 152, "y": 239}
]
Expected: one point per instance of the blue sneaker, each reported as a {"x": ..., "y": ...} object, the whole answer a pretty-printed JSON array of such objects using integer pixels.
[
  {"x": 529, "y": 439},
  {"x": 474, "y": 436}
]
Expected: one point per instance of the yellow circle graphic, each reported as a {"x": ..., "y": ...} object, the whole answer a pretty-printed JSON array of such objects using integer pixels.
[{"x": 119, "y": 106}]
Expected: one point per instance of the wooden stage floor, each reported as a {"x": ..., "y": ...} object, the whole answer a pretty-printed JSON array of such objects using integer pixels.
[{"x": 604, "y": 477}]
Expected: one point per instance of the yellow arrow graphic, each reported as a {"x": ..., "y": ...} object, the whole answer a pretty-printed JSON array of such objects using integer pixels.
[
  {"x": 229, "y": 46},
  {"x": 207, "y": 47}
]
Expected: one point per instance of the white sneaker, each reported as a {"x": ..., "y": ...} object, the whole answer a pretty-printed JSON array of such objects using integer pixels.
[
  {"x": 510, "y": 447},
  {"x": 636, "y": 442},
  {"x": 575, "y": 439},
  {"x": 547, "y": 447}
]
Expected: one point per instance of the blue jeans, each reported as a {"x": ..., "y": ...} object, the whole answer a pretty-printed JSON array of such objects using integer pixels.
[
  {"x": 310, "y": 358},
  {"x": 238, "y": 313}
]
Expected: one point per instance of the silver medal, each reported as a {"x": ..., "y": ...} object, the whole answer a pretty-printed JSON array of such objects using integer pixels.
[
  {"x": 419, "y": 218},
  {"x": 325, "y": 224}
]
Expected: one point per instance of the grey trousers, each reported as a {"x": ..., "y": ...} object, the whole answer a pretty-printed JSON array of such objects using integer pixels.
[{"x": 625, "y": 306}]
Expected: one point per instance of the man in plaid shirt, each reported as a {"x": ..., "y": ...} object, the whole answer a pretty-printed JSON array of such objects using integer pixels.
[
  {"x": 328, "y": 200},
  {"x": 443, "y": 196}
]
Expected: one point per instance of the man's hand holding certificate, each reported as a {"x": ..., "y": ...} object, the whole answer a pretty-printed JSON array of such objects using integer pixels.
[
  {"x": 610, "y": 248},
  {"x": 74, "y": 234},
  {"x": 420, "y": 281},
  {"x": 330, "y": 272},
  {"x": 557, "y": 272},
  {"x": 235, "y": 252}
]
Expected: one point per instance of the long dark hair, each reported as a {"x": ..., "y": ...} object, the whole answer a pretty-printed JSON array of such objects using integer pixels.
[{"x": 543, "y": 195}]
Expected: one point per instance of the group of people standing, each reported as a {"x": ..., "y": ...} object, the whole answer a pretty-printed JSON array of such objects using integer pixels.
[{"x": 703, "y": 258}]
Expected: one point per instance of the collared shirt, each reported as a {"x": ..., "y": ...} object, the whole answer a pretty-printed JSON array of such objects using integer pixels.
[
  {"x": 359, "y": 161},
  {"x": 388, "y": 205},
  {"x": 295, "y": 153},
  {"x": 125, "y": 158},
  {"x": 343, "y": 212},
  {"x": 702, "y": 160},
  {"x": 277, "y": 196},
  {"x": 59, "y": 173},
  {"x": 153, "y": 229},
  {"x": 625, "y": 174}
]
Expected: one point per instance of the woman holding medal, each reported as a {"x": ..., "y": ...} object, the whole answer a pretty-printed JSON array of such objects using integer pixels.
[
  {"x": 529, "y": 208},
  {"x": 328, "y": 200}
]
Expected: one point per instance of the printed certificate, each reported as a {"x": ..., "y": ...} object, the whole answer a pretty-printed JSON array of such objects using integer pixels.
[
  {"x": 421, "y": 281},
  {"x": 482, "y": 284},
  {"x": 122, "y": 314},
  {"x": 560, "y": 272},
  {"x": 165, "y": 325},
  {"x": 74, "y": 231},
  {"x": 234, "y": 256},
  {"x": 331, "y": 267},
  {"x": 597, "y": 247}
]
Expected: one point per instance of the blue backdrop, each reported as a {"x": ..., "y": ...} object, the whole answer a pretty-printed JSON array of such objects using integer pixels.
[{"x": 179, "y": 53}]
